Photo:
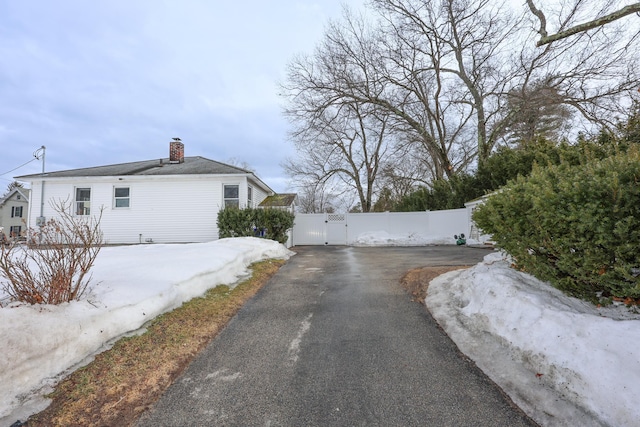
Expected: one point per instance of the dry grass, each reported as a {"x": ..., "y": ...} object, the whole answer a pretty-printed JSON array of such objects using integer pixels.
[
  {"x": 416, "y": 281},
  {"x": 120, "y": 384}
]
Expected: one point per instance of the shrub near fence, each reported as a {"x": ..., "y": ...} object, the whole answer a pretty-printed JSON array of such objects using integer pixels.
[
  {"x": 271, "y": 224},
  {"x": 577, "y": 227}
]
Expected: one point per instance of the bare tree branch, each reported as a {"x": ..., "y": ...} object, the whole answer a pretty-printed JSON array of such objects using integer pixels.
[
  {"x": 580, "y": 28},
  {"x": 55, "y": 267},
  {"x": 538, "y": 13}
]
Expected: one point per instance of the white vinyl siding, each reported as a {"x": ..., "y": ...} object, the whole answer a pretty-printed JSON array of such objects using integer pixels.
[
  {"x": 258, "y": 195},
  {"x": 164, "y": 209},
  {"x": 159, "y": 212}
]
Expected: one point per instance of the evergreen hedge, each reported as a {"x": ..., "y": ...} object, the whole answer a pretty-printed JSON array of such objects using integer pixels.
[
  {"x": 575, "y": 226},
  {"x": 268, "y": 223}
]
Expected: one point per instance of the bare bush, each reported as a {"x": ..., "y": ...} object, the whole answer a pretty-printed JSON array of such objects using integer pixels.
[{"x": 54, "y": 265}]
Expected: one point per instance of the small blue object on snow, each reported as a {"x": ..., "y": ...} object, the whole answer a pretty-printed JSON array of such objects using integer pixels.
[{"x": 460, "y": 240}]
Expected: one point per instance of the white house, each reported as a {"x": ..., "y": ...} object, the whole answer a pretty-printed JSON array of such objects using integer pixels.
[
  {"x": 13, "y": 213},
  {"x": 170, "y": 200}
]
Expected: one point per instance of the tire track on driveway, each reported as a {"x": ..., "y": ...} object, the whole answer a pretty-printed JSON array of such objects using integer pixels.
[{"x": 294, "y": 347}]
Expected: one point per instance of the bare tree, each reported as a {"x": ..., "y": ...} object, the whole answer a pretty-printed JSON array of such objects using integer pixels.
[
  {"x": 357, "y": 66},
  {"x": 434, "y": 68},
  {"x": 234, "y": 161},
  {"x": 343, "y": 144},
  {"x": 457, "y": 68},
  {"x": 593, "y": 75},
  {"x": 569, "y": 30},
  {"x": 314, "y": 197},
  {"x": 55, "y": 267}
]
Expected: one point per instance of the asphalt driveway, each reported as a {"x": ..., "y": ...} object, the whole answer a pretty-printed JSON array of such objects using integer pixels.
[{"x": 333, "y": 340}]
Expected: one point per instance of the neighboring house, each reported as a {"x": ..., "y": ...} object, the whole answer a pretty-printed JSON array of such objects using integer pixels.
[
  {"x": 14, "y": 208},
  {"x": 284, "y": 201},
  {"x": 171, "y": 200}
]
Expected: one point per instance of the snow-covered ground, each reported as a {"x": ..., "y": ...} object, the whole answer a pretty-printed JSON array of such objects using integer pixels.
[
  {"x": 565, "y": 362},
  {"x": 133, "y": 284}
]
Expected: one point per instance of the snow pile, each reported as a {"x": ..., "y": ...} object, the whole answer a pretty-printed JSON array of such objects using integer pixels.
[
  {"x": 562, "y": 360},
  {"x": 382, "y": 238},
  {"x": 133, "y": 284}
]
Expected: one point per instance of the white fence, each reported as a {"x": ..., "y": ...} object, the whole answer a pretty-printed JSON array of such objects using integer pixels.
[{"x": 344, "y": 229}]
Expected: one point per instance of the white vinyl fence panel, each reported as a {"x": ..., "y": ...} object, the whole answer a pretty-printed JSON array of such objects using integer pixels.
[
  {"x": 310, "y": 229},
  {"x": 344, "y": 229},
  {"x": 449, "y": 222}
]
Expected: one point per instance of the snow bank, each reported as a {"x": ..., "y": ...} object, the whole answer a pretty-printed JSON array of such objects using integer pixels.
[
  {"x": 559, "y": 358},
  {"x": 382, "y": 238},
  {"x": 134, "y": 284}
]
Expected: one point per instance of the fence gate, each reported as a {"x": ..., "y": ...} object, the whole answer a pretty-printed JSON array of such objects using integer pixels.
[{"x": 336, "y": 229}]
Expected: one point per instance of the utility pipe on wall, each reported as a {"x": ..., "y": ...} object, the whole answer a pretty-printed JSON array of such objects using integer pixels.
[{"x": 36, "y": 154}]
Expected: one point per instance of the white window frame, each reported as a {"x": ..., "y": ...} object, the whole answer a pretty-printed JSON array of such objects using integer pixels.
[
  {"x": 226, "y": 200},
  {"x": 16, "y": 211},
  {"x": 117, "y": 198},
  {"x": 81, "y": 207},
  {"x": 250, "y": 196}
]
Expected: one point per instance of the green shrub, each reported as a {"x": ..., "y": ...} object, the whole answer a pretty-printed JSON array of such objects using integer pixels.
[
  {"x": 576, "y": 226},
  {"x": 271, "y": 224}
]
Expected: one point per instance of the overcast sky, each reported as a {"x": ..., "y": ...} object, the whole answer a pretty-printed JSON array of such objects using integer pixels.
[{"x": 112, "y": 81}]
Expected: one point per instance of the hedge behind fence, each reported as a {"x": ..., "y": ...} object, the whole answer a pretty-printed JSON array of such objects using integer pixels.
[
  {"x": 268, "y": 223},
  {"x": 577, "y": 227}
]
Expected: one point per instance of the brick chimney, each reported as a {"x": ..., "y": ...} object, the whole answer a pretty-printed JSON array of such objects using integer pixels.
[{"x": 176, "y": 151}]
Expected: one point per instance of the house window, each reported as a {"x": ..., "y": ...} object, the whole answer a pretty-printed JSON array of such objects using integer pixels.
[
  {"x": 83, "y": 201},
  {"x": 231, "y": 196},
  {"x": 250, "y": 197},
  {"x": 16, "y": 211},
  {"x": 121, "y": 197},
  {"x": 14, "y": 231}
]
